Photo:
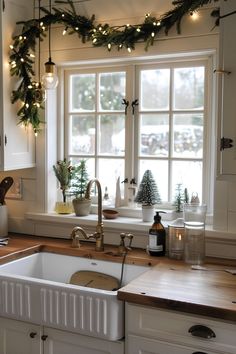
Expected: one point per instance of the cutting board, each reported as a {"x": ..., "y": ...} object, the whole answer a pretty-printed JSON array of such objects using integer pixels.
[{"x": 95, "y": 280}]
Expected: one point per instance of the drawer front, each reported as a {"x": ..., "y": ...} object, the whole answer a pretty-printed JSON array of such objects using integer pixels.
[
  {"x": 139, "y": 345},
  {"x": 177, "y": 327}
]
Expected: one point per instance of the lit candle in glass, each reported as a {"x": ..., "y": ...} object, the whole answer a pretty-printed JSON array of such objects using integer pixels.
[{"x": 176, "y": 239}]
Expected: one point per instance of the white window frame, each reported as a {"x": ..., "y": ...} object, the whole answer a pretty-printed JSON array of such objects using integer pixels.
[{"x": 209, "y": 129}]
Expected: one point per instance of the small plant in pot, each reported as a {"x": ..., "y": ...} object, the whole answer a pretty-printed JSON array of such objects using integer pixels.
[
  {"x": 81, "y": 202},
  {"x": 64, "y": 173},
  {"x": 148, "y": 195}
]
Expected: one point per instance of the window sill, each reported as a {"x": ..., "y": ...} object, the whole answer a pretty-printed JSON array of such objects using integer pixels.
[{"x": 129, "y": 224}]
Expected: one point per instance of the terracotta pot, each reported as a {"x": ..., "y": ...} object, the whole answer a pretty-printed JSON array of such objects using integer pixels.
[{"x": 81, "y": 206}]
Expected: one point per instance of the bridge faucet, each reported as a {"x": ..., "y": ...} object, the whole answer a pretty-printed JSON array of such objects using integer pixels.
[{"x": 99, "y": 234}]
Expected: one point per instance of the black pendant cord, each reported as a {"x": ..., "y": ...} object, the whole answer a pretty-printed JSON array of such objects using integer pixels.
[
  {"x": 39, "y": 64},
  {"x": 49, "y": 31}
]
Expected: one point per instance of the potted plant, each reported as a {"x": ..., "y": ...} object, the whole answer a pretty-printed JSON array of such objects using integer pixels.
[
  {"x": 148, "y": 195},
  {"x": 81, "y": 202},
  {"x": 64, "y": 174}
]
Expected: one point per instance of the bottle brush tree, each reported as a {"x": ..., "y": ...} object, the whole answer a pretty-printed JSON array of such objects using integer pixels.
[{"x": 148, "y": 193}]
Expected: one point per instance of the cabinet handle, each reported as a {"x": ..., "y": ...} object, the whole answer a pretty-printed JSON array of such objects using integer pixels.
[
  {"x": 226, "y": 143},
  {"x": 199, "y": 353},
  {"x": 201, "y": 331},
  {"x": 44, "y": 337},
  {"x": 33, "y": 334}
]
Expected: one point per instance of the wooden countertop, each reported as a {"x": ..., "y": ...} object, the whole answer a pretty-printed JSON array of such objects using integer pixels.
[{"x": 167, "y": 284}]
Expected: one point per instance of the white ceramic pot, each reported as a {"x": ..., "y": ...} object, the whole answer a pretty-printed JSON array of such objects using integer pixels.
[{"x": 148, "y": 212}]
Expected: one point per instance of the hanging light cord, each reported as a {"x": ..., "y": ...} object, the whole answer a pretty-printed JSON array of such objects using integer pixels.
[
  {"x": 39, "y": 69},
  {"x": 49, "y": 31}
]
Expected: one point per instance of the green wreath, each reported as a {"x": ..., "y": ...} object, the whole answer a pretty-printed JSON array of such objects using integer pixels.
[{"x": 31, "y": 94}]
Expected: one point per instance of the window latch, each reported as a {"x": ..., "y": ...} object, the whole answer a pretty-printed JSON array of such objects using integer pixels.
[
  {"x": 126, "y": 103},
  {"x": 133, "y": 104}
]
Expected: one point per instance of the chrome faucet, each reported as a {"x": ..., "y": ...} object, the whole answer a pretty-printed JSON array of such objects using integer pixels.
[{"x": 99, "y": 234}]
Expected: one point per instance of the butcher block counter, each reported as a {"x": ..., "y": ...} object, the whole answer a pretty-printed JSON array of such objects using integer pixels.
[{"x": 168, "y": 284}]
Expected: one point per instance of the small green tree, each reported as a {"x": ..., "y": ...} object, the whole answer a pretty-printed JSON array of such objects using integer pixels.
[
  {"x": 64, "y": 173},
  {"x": 148, "y": 193},
  {"x": 181, "y": 197},
  {"x": 80, "y": 180}
]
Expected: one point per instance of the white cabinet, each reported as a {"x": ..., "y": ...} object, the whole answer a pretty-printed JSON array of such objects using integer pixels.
[
  {"x": 17, "y": 144},
  {"x": 227, "y": 89},
  {"x": 154, "y": 331},
  {"x": 17, "y": 337},
  {"x": 61, "y": 342}
]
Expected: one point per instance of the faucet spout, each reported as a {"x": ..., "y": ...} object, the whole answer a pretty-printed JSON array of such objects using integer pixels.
[
  {"x": 75, "y": 236},
  {"x": 99, "y": 234}
]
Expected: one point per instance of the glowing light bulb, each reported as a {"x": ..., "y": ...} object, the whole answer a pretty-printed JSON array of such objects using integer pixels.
[
  {"x": 49, "y": 79},
  {"x": 194, "y": 15}
]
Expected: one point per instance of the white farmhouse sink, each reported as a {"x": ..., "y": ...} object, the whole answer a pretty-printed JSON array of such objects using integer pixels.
[{"x": 35, "y": 289}]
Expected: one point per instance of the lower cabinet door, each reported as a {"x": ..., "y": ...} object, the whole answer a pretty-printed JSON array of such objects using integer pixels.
[
  {"x": 141, "y": 345},
  {"x": 18, "y": 337},
  {"x": 62, "y": 342}
]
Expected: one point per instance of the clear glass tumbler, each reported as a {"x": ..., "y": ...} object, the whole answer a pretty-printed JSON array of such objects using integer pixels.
[{"x": 194, "y": 224}]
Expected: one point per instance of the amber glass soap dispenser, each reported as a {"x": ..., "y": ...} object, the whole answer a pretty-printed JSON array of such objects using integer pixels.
[{"x": 157, "y": 238}]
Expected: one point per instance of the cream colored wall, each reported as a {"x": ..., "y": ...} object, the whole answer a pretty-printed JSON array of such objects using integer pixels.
[{"x": 196, "y": 36}]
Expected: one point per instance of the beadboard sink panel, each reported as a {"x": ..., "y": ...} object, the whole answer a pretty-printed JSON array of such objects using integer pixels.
[{"x": 35, "y": 289}]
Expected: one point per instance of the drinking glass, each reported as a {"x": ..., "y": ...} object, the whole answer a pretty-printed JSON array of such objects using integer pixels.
[{"x": 194, "y": 224}]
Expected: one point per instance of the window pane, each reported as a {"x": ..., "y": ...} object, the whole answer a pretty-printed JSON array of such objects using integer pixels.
[
  {"x": 112, "y": 135},
  {"x": 154, "y": 135},
  {"x": 160, "y": 173},
  {"x": 154, "y": 86},
  {"x": 82, "y": 92},
  {"x": 82, "y": 134},
  {"x": 108, "y": 172},
  {"x": 111, "y": 91},
  {"x": 90, "y": 163},
  {"x": 188, "y": 135},
  {"x": 189, "y": 174},
  {"x": 189, "y": 88}
]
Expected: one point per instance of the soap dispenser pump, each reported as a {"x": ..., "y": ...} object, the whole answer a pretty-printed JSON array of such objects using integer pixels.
[{"x": 157, "y": 237}]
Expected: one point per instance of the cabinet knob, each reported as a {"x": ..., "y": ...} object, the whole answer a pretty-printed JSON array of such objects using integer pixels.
[
  {"x": 32, "y": 334},
  {"x": 44, "y": 337},
  {"x": 201, "y": 331}
]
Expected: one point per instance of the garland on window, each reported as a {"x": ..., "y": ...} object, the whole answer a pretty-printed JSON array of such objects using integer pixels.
[{"x": 29, "y": 91}]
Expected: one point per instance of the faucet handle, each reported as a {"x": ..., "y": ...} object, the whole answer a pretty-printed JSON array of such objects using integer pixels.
[
  {"x": 122, "y": 247},
  {"x": 130, "y": 237}
]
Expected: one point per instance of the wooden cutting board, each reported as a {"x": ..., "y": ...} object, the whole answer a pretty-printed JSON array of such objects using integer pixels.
[{"x": 93, "y": 279}]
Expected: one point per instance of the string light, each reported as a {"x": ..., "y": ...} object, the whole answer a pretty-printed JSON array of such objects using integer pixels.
[
  {"x": 107, "y": 36},
  {"x": 194, "y": 15}
]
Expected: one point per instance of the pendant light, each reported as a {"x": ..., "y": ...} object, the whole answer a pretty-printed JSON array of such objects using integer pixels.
[{"x": 49, "y": 79}]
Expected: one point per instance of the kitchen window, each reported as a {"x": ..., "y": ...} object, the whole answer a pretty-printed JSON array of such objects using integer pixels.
[{"x": 125, "y": 119}]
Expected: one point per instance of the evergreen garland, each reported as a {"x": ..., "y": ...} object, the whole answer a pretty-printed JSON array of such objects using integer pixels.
[
  {"x": 148, "y": 193},
  {"x": 29, "y": 91}
]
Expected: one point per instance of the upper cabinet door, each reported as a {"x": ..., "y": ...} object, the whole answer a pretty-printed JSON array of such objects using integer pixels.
[
  {"x": 17, "y": 143},
  {"x": 227, "y": 92}
]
